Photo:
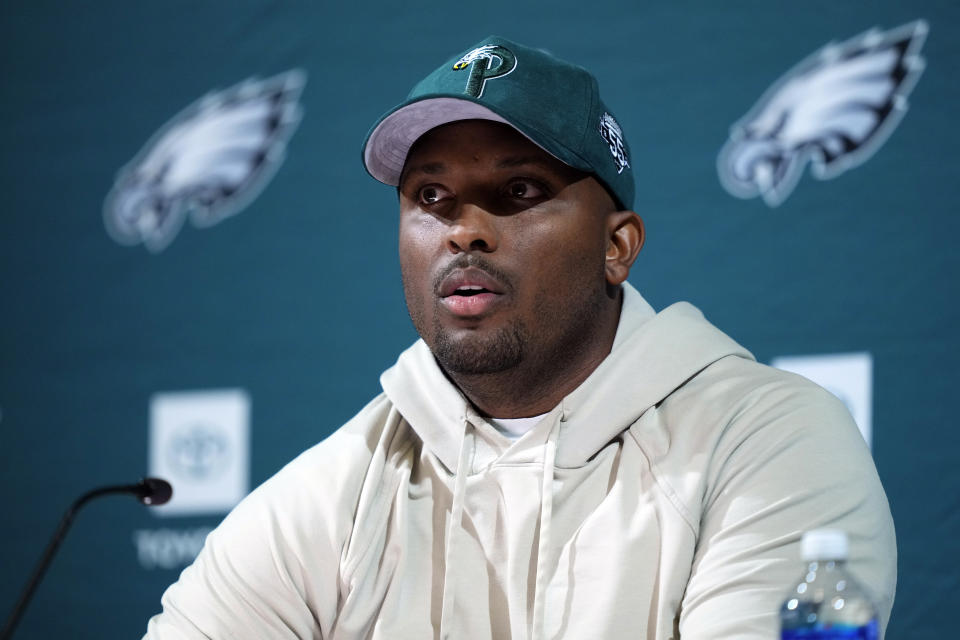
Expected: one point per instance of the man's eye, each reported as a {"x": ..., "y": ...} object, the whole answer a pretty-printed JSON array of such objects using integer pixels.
[
  {"x": 432, "y": 194},
  {"x": 525, "y": 189}
]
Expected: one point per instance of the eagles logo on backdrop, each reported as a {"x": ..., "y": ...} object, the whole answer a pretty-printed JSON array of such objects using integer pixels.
[
  {"x": 209, "y": 161},
  {"x": 835, "y": 109},
  {"x": 485, "y": 63}
]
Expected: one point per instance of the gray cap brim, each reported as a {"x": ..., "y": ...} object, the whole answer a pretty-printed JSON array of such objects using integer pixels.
[{"x": 389, "y": 142}]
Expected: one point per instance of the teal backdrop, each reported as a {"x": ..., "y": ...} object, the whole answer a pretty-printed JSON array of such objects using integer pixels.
[{"x": 295, "y": 301}]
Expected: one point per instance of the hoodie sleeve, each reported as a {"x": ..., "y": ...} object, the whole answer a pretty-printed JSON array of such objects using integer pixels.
[
  {"x": 272, "y": 567},
  {"x": 788, "y": 458}
]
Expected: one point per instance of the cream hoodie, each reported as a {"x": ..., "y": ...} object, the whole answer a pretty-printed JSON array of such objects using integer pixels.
[{"x": 664, "y": 498}]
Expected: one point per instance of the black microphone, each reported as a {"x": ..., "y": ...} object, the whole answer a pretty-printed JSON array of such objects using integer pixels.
[
  {"x": 149, "y": 491},
  {"x": 152, "y": 491}
]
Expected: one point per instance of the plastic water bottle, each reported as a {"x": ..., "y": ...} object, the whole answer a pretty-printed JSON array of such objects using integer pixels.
[{"x": 827, "y": 603}]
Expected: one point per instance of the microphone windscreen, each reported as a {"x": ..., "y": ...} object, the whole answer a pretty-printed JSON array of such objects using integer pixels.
[{"x": 155, "y": 491}]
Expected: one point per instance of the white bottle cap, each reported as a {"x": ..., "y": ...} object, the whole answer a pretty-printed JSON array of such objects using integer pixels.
[{"x": 824, "y": 544}]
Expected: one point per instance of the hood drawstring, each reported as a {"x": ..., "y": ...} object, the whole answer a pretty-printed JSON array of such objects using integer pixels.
[
  {"x": 453, "y": 528},
  {"x": 543, "y": 544}
]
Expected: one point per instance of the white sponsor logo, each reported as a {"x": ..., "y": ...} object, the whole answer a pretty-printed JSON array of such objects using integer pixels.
[
  {"x": 168, "y": 548},
  {"x": 209, "y": 161},
  {"x": 834, "y": 109},
  {"x": 849, "y": 376},
  {"x": 199, "y": 442}
]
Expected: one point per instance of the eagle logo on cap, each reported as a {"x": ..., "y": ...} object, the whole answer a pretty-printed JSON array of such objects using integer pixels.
[
  {"x": 209, "y": 161},
  {"x": 834, "y": 109},
  {"x": 486, "y": 63},
  {"x": 486, "y": 52}
]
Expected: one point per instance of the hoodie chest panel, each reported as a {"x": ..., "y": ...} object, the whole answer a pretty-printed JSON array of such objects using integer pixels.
[
  {"x": 618, "y": 554},
  {"x": 622, "y": 553},
  {"x": 396, "y": 588}
]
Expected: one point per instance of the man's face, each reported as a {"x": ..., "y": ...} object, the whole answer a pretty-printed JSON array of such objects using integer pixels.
[{"x": 502, "y": 249}]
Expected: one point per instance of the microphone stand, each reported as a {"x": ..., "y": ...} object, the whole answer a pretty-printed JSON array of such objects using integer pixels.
[{"x": 150, "y": 491}]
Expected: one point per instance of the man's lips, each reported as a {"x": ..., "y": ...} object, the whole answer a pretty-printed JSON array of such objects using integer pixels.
[
  {"x": 469, "y": 279},
  {"x": 470, "y": 291}
]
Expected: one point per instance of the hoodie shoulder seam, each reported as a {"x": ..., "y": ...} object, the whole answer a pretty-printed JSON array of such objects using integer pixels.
[
  {"x": 667, "y": 489},
  {"x": 352, "y": 559}
]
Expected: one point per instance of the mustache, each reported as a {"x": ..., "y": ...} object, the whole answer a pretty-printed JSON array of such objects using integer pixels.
[{"x": 465, "y": 260}]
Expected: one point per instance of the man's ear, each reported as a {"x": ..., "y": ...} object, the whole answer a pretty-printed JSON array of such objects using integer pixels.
[{"x": 625, "y": 237}]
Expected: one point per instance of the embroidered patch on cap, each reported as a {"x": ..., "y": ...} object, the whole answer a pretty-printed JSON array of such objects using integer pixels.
[{"x": 612, "y": 133}]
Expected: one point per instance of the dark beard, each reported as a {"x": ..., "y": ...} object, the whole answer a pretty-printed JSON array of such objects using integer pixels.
[
  {"x": 477, "y": 353},
  {"x": 481, "y": 354}
]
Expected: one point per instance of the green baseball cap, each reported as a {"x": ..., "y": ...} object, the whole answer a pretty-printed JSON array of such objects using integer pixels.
[{"x": 553, "y": 103}]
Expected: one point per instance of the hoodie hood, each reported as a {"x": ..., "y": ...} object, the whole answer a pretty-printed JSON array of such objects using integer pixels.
[{"x": 653, "y": 354}]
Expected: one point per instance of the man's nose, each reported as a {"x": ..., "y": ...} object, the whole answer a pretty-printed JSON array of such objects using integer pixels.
[{"x": 473, "y": 229}]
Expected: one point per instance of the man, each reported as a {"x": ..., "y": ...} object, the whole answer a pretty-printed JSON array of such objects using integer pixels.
[{"x": 553, "y": 459}]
